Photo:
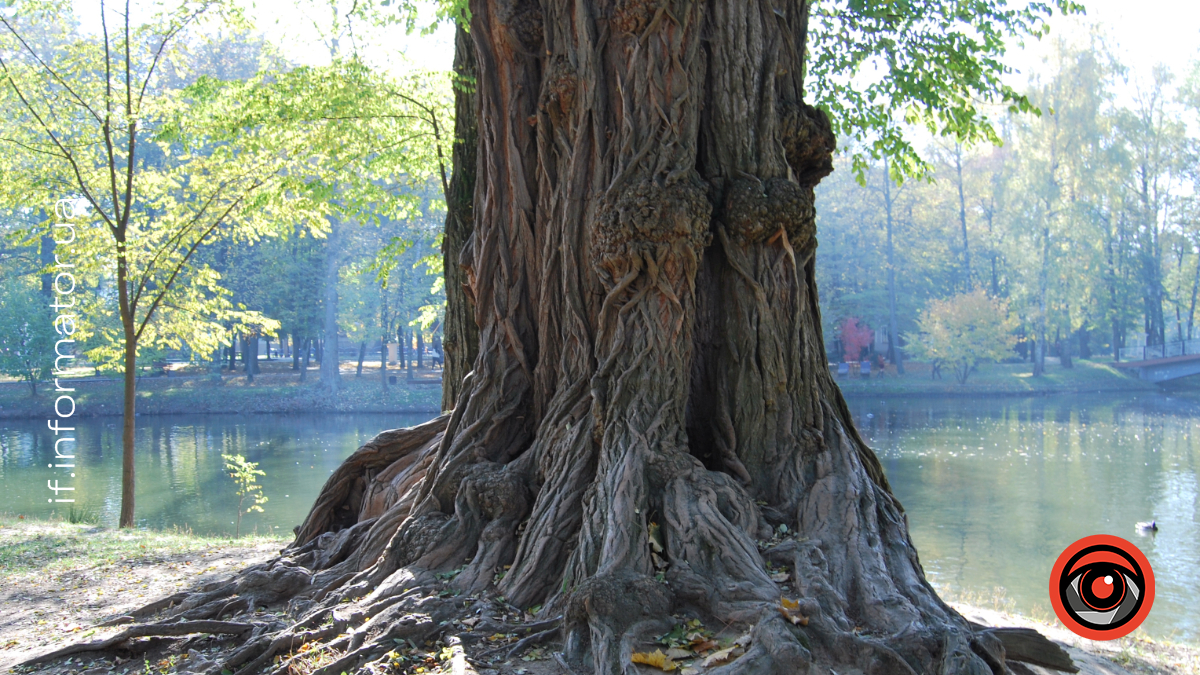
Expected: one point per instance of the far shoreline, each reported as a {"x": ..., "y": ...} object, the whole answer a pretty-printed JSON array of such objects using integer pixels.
[
  {"x": 278, "y": 391},
  {"x": 1006, "y": 380}
]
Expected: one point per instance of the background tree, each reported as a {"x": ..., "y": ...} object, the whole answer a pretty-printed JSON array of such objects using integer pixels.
[
  {"x": 963, "y": 331},
  {"x": 855, "y": 338},
  {"x": 168, "y": 172},
  {"x": 91, "y": 121},
  {"x": 27, "y": 333},
  {"x": 1056, "y": 221}
]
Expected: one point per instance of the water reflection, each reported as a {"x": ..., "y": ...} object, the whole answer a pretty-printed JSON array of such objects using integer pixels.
[
  {"x": 996, "y": 488},
  {"x": 180, "y": 475}
]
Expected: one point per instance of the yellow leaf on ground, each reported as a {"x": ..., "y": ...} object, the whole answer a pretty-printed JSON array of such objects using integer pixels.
[
  {"x": 657, "y": 659},
  {"x": 719, "y": 657}
]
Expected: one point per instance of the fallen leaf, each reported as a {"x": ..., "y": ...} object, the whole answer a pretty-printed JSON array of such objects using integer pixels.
[
  {"x": 655, "y": 538},
  {"x": 702, "y": 646},
  {"x": 657, "y": 659},
  {"x": 677, "y": 653},
  {"x": 788, "y": 608},
  {"x": 779, "y": 577},
  {"x": 719, "y": 657},
  {"x": 471, "y": 621}
]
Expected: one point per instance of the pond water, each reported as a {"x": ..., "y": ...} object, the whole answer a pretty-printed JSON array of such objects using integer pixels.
[
  {"x": 179, "y": 471},
  {"x": 994, "y": 488}
]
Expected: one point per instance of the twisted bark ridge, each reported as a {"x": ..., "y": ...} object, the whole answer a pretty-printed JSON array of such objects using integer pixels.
[{"x": 650, "y": 430}]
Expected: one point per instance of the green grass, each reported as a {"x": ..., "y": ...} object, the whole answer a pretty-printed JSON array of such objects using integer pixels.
[
  {"x": 28, "y": 545},
  {"x": 998, "y": 378}
]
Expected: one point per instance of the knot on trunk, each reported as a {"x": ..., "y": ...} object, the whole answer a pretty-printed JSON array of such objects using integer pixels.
[
  {"x": 420, "y": 535},
  {"x": 758, "y": 210},
  {"x": 808, "y": 141},
  {"x": 618, "y": 599},
  {"x": 523, "y": 19},
  {"x": 493, "y": 493},
  {"x": 558, "y": 89},
  {"x": 632, "y": 16},
  {"x": 647, "y": 219}
]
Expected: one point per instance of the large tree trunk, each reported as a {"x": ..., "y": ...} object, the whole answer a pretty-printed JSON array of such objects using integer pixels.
[
  {"x": 461, "y": 344},
  {"x": 650, "y": 420}
]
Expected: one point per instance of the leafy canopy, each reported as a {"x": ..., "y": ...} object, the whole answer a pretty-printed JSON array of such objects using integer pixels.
[
  {"x": 27, "y": 332},
  {"x": 963, "y": 331},
  {"x": 880, "y": 67},
  {"x": 167, "y": 171}
]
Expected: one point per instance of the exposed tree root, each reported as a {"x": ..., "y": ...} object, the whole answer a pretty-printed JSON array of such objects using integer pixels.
[{"x": 147, "y": 630}]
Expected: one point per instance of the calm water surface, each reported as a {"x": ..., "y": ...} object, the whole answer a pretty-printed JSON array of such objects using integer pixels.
[
  {"x": 179, "y": 471},
  {"x": 994, "y": 488}
]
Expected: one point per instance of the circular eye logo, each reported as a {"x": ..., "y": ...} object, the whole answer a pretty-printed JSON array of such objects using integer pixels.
[{"x": 1102, "y": 587}]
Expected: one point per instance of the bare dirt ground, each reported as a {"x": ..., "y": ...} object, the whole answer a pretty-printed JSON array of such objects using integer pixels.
[
  {"x": 1135, "y": 654},
  {"x": 57, "y": 581}
]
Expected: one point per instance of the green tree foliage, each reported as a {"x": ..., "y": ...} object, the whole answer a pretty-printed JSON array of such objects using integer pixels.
[
  {"x": 245, "y": 477},
  {"x": 27, "y": 332},
  {"x": 170, "y": 172},
  {"x": 162, "y": 171},
  {"x": 1084, "y": 220},
  {"x": 963, "y": 331},
  {"x": 881, "y": 68}
]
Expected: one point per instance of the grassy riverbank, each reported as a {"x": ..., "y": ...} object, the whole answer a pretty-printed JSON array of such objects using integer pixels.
[
  {"x": 57, "y": 580},
  {"x": 277, "y": 389},
  {"x": 996, "y": 379}
]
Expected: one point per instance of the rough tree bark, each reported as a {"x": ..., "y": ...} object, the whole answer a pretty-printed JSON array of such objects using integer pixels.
[
  {"x": 461, "y": 344},
  {"x": 650, "y": 410}
]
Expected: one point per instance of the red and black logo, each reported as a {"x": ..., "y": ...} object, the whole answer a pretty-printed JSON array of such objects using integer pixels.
[{"x": 1102, "y": 587}]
